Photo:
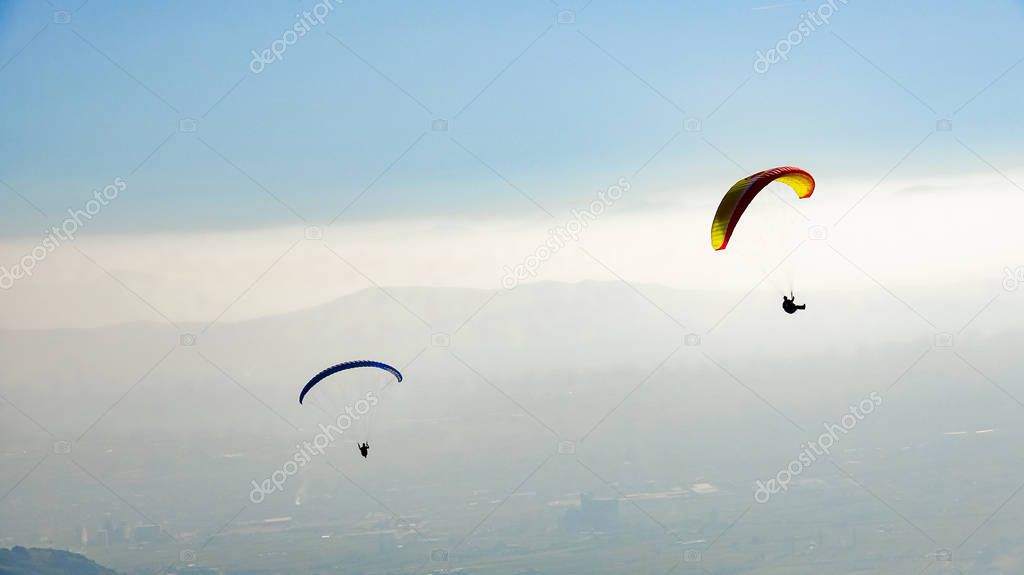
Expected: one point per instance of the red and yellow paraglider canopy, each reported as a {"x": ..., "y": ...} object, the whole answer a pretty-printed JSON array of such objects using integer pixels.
[{"x": 742, "y": 192}]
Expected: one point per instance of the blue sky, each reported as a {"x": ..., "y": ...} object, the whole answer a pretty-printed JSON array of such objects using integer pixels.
[{"x": 535, "y": 108}]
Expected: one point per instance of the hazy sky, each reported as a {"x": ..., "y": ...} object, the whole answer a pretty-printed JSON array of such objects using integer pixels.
[{"x": 546, "y": 102}]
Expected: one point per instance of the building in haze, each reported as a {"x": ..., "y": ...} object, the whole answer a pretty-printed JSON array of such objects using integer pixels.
[
  {"x": 146, "y": 533},
  {"x": 593, "y": 514}
]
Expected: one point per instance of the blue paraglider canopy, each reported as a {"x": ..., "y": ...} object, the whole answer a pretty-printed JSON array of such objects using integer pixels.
[{"x": 346, "y": 366}]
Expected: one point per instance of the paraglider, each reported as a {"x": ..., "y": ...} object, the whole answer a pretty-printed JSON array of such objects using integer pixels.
[
  {"x": 739, "y": 196},
  {"x": 345, "y": 366},
  {"x": 789, "y": 304},
  {"x": 362, "y": 409}
]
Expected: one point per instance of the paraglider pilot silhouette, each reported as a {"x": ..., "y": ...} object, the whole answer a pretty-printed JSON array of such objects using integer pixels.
[
  {"x": 364, "y": 448},
  {"x": 789, "y": 305}
]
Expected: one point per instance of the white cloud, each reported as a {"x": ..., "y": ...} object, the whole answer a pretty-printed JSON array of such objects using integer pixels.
[{"x": 967, "y": 233}]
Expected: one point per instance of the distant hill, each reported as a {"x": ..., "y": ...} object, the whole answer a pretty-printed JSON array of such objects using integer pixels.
[
  {"x": 35, "y": 561},
  {"x": 530, "y": 342}
]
